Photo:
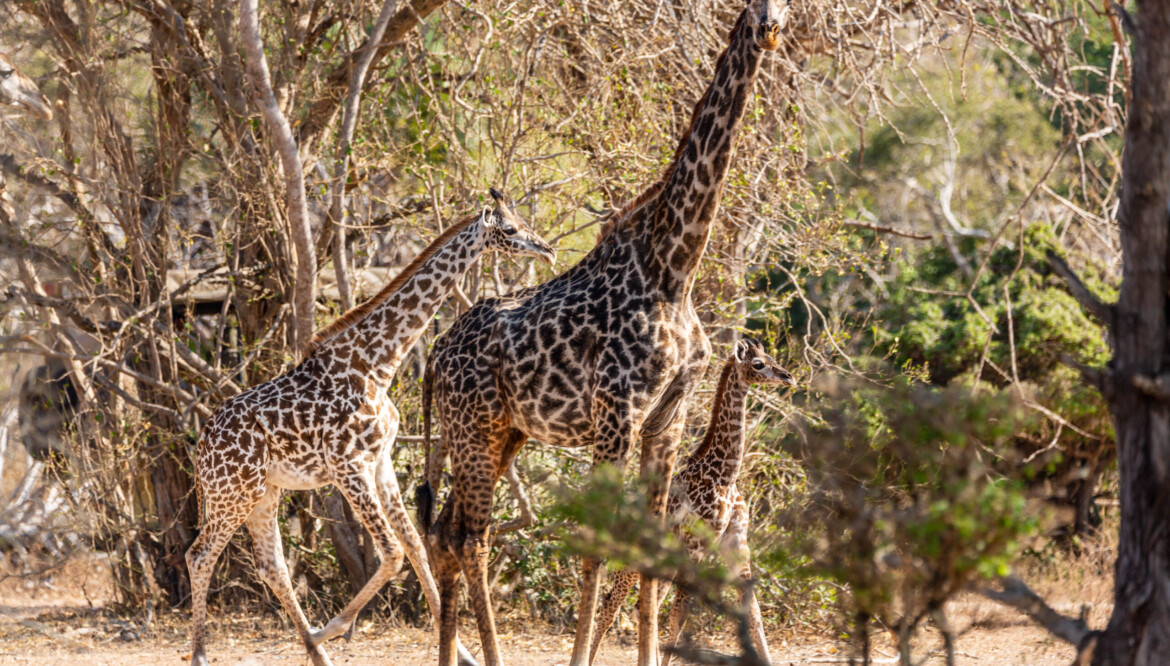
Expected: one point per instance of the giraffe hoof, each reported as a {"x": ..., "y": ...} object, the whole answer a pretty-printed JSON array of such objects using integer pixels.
[
  {"x": 336, "y": 627},
  {"x": 465, "y": 658},
  {"x": 199, "y": 660},
  {"x": 317, "y": 657}
]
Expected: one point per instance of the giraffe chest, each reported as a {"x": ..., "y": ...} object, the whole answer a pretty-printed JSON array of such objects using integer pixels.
[{"x": 694, "y": 494}]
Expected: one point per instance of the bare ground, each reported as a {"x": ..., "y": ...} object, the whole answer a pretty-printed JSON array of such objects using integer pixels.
[{"x": 60, "y": 618}]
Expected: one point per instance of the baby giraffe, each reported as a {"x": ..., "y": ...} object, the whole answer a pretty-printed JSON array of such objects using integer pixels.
[
  {"x": 330, "y": 421},
  {"x": 705, "y": 487}
]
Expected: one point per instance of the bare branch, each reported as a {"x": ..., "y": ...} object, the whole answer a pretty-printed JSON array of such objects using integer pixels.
[
  {"x": 357, "y": 79},
  {"x": 885, "y": 230},
  {"x": 1156, "y": 387},
  {"x": 527, "y": 517}
]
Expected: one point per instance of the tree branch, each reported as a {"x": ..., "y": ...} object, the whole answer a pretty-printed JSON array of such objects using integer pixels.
[
  {"x": 341, "y": 165},
  {"x": 1099, "y": 378},
  {"x": 1156, "y": 387},
  {"x": 1101, "y": 311},
  {"x": 294, "y": 177},
  {"x": 527, "y": 517},
  {"x": 885, "y": 230},
  {"x": 320, "y": 113}
]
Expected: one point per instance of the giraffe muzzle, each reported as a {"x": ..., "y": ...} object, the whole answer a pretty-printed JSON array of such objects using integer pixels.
[
  {"x": 770, "y": 36},
  {"x": 36, "y": 104}
]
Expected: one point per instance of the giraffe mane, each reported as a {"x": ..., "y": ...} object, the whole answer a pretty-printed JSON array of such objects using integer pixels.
[
  {"x": 618, "y": 219},
  {"x": 716, "y": 411},
  {"x": 359, "y": 312}
]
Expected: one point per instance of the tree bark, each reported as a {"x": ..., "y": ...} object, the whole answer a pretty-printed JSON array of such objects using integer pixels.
[{"x": 305, "y": 260}]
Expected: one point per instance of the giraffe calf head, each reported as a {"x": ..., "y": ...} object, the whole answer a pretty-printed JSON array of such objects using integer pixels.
[
  {"x": 509, "y": 233},
  {"x": 19, "y": 91},
  {"x": 766, "y": 18},
  {"x": 757, "y": 367}
]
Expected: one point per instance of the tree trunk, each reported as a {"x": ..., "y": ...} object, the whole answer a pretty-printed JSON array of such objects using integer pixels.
[{"x": 1139, "y": 630}]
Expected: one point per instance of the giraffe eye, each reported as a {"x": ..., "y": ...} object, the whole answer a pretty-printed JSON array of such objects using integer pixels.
[
  {"x": 758, "y": 364},
  {"x": 6, "y": 73},
  {"x": 510, "y": 230}
]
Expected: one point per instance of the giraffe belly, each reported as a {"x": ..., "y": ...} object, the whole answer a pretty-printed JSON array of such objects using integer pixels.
[{"x": 286, "y": 474}]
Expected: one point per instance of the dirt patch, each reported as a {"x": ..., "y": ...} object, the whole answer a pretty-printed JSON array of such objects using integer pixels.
[{"x": 61, "y": 617}]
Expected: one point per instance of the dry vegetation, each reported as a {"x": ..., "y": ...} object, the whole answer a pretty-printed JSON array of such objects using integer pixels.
[{"x": 903, "y": 169}]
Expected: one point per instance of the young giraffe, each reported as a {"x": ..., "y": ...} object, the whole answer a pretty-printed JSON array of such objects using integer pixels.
[
  {"x": 330, "y": 420},
  {"x": 705, "y": 488},
  {"x": 603, "y": 355}
]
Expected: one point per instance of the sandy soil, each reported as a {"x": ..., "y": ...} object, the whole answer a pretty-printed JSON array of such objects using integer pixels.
[{"x": 59, "y": 619}]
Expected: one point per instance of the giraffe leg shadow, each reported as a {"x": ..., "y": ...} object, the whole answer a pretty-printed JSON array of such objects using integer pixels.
[{"x": 272, "y": 568}]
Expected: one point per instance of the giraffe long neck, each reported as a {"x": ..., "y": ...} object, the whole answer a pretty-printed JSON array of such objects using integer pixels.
[
  {"x": 690, "y": 194},
  {"x": 381, "y": 339},
  {"x": 723, "y": 446}
]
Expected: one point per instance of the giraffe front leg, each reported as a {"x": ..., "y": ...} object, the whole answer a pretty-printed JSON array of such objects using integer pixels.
[
  {"x": 735, "y": 545},
  {"x": 679, "y": 610},
  {"x": 614, "y": 439},
  {"x": 659, "y": 450},
  {"x": 614, "y": 599},
  {"x": 360, "y": 490}
]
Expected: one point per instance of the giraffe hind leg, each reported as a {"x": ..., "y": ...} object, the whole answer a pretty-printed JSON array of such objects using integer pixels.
[
  {"x": 272, "y": 568},
  {"x": 221, "y": 523},
  {"x": 391, "y": 497}
]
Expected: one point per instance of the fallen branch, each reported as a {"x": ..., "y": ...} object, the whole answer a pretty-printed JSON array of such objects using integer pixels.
[{"x": 1016, "y": 594}]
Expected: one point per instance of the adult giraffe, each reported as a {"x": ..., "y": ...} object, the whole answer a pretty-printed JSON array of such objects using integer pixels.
[
  {"x": 19, "y": 91},
  {"x": 602, "y": 355}
]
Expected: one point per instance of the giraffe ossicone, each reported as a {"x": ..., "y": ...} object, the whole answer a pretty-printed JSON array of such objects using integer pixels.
[{"x": 329, "y": 420}]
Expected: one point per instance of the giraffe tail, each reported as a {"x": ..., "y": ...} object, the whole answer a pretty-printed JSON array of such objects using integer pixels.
[{"x": 424, "y": 495}]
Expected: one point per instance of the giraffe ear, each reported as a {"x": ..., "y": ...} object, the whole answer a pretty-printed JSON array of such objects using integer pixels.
[
  {"x": 486, "y": 218},
  {"x": 741, "y": 350}
]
